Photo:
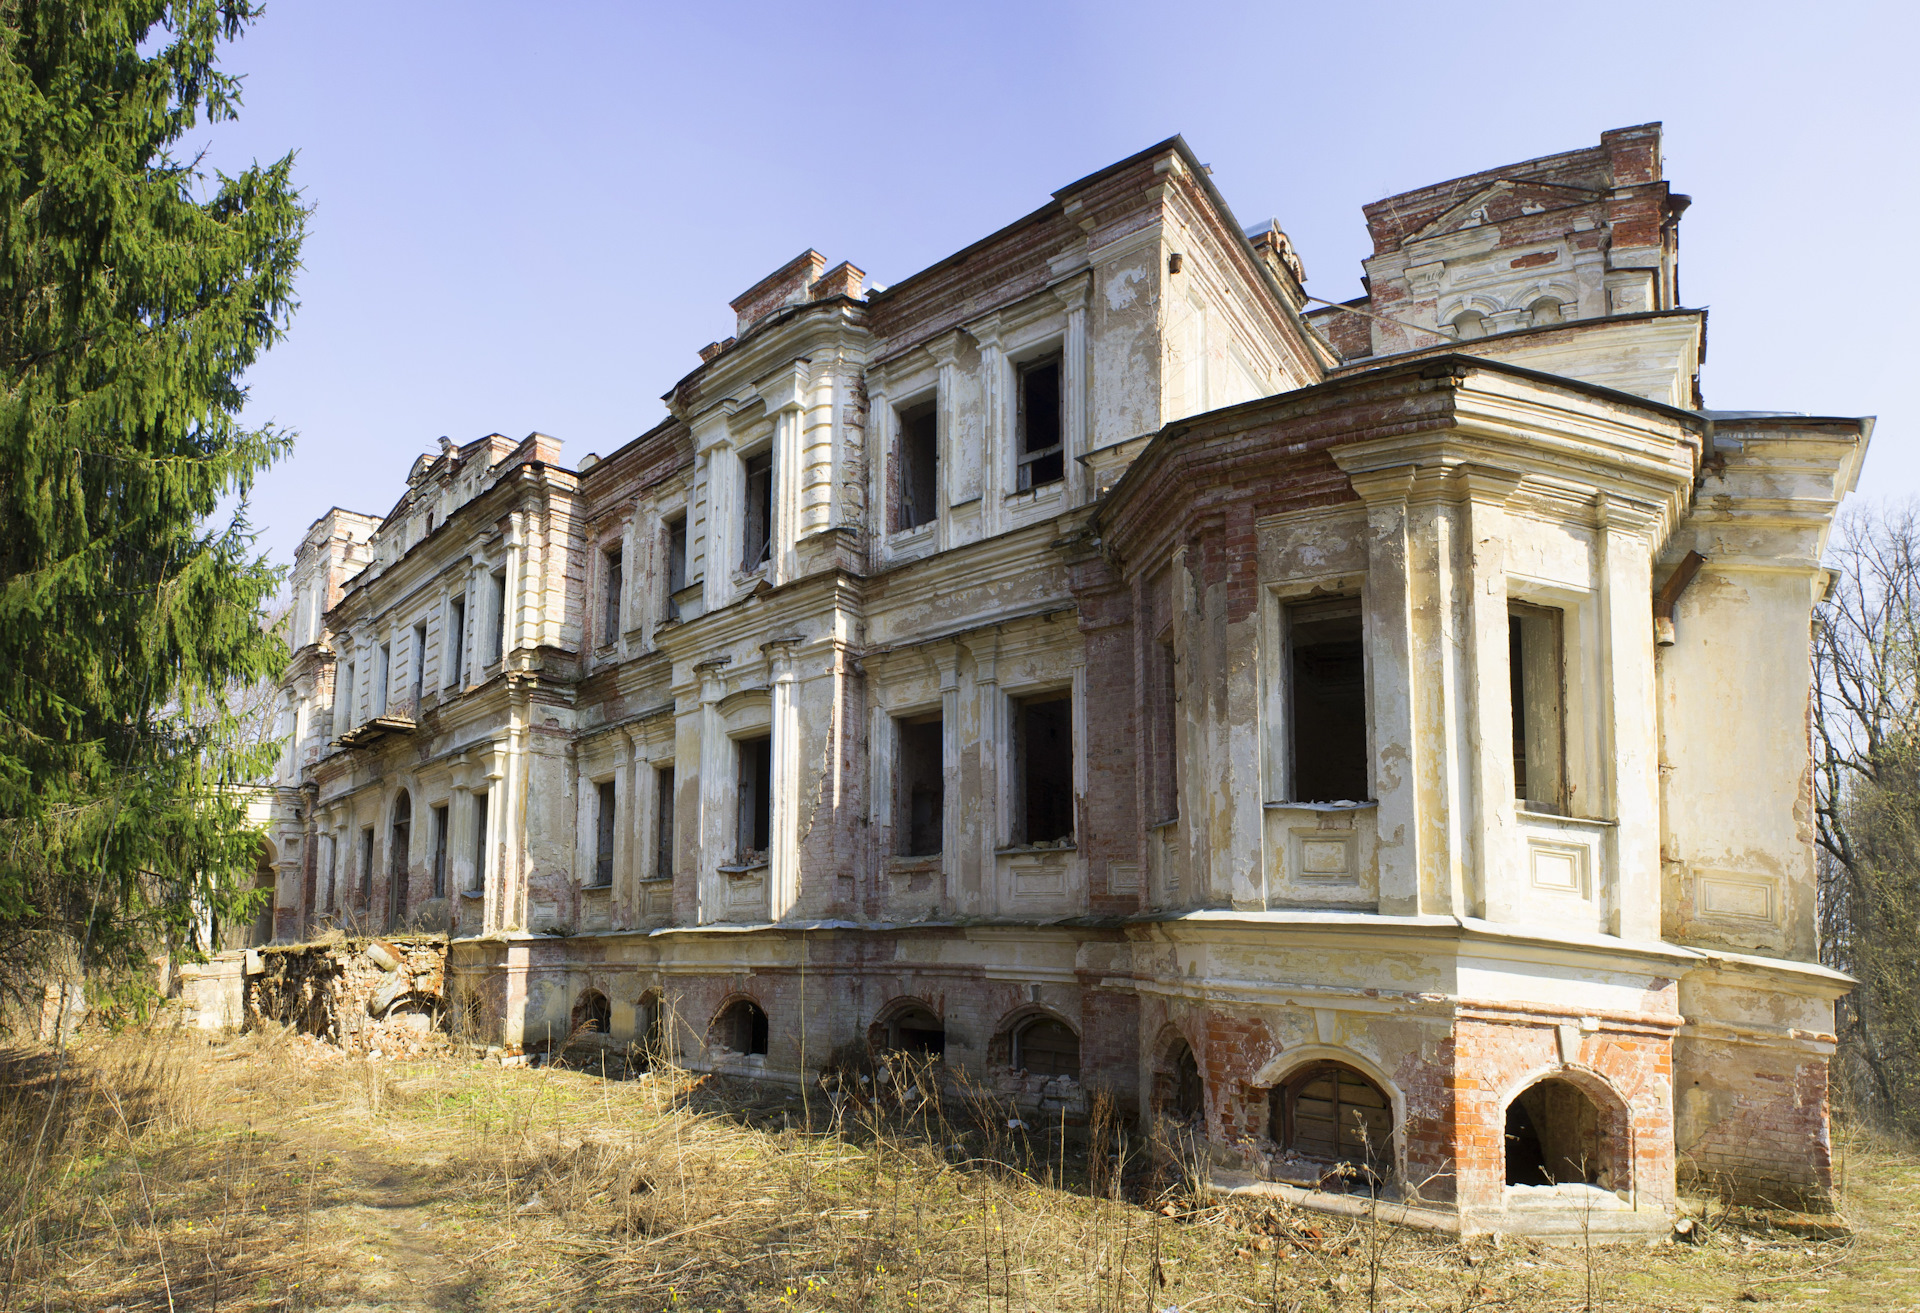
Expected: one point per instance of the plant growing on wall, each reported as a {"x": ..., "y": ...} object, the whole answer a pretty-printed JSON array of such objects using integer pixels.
[
  {"x": 1866, "y": 651},
  {"x": 135, "y": 290}
]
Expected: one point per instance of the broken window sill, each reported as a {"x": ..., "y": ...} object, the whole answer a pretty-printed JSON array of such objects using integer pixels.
[
  {"x": 1364, "y": 805},
  {"x": 1522, "y": 813},
  {"x": 473, "y": 893},
  {"x": 1037, "y": 849},
  {"x": 600, "y": 888},
  {"x": 1171, "y": 821},
  {"x": 744, "y": 868},
  {"x": 914, "y": 865}
]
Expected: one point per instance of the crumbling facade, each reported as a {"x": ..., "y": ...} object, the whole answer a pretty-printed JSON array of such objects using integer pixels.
[{"x": 1375, "y": 734}]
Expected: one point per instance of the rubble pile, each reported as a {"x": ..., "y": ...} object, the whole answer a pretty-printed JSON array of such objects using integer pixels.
[{"x": 360, "y": 994}]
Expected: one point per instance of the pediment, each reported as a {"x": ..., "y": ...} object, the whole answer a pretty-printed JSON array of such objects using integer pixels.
[{"x": 1494, "y": 203}]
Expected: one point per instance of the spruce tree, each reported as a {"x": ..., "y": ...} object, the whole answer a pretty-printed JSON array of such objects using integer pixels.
[{"x": 135, "y": 289}]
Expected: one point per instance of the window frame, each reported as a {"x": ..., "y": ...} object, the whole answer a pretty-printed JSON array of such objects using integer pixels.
[
  {"x": 752, "y": 469},
  {"x": 907, "y": 463},
  {"x": 1025, "y": 458},
  {"x": 606, "y": 816},
  {"x": 1020, "y": 820}
]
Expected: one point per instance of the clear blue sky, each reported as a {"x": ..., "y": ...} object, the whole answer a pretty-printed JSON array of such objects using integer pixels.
[{"x": 531, "y": 216}]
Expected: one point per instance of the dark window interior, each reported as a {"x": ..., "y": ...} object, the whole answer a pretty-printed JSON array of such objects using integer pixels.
[
  {"x": 1045, "y": 1047},
  {"x": 1185, "y": 1093},
  {"x": 615, "y": 582},
  {"x": 440, "y": 851},
  {"x": 603, "y": 835},
  {"x": 1335, "y": 1114},
  {"x": 915, "y": 1030},
  {"x": 1043, "y": 734},
  {"x": 922, "y": 795},
  {"x": 1041, "y": 457},
  {"x": 757, "y": 540},
  {"x": 479, "y": 841},
  {"x": 1553, "y": 1136},
  {"x": 366, "y": 866},
  {"x": 593, "y": 1014},
  {"x": 419, "y": 657},
  {"x": 919, "y": 465},
  {"x": 398, "y": 843},
  {"x": 1164, "y": 711},
  {"x": 676, "y": 563},
  {"x": 755, "y": 797},
  {"x": 456, "y": 646},
  {"x": 743, "y": 1027},
  {"x": 663, "y": 823},
  {"x": 499, "y": 618},
  {"x": 1327, "y": 665}
]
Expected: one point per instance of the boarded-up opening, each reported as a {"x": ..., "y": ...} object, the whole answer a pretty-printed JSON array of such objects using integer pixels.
[
  {"x": 757, "y": 522},
  {"x": 1046, "y": 1046},
  {"x": 755, "y": 798},
  {"x": 1553, "y": 1136},
  {"x": 921, "y": 796},
  {"x": 1333, "y": 1113},
  {"x": 1327, "y": 702},
  {"x": 1041, "y": 458},
  {"x": 1043, "y": 769},
  {"x": 919, "y": 470},
  {"x": 742, "y": 1027},
  {"x": 593, "y": 1014},
  {"x": 605, "y": 814},
  {"x": 912, "y": 1029},
  {"x": 1536, "y": 667}
]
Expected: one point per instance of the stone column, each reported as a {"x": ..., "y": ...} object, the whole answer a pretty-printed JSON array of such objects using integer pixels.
[
  {"x": 960, "y": 466},
  {"x": 1492, "y": 860},
  {"x": 1073, "y": 384},
  {"x": 712, "y": 844},
  {"x": 995, "y": 449},
  {"x": 783, "y": 862},
  {"x": 1629, "y": 739}
]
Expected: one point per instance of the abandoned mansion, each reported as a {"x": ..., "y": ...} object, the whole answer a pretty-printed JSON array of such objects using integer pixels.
[{"x": 1371, "y": 733}]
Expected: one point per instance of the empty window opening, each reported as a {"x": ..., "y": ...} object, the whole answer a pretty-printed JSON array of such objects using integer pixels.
[
  {"x": 1326, "y": 666},
  {"x": 663, "y": 823},
  {"x": 676, "y": 563},
  {"x": 479, "y": 842},
  {"x": 1043, "y": 742},
  {"x": 593, "y": 1014},
  {"x": 498, "y": 647},
  {"x": 419, "y": 659},
  {"x": 397, "y": 860},
  {"x": 1180, "y": 1092},
  {"x": 1469, "y": 324},
  {"x": 1553, "y": 1136},
  {"x": 755, "y": 799},
  {"x": 343, "y": 701},
  {"x": 1041, "y": 459},
  {"x": 913, "y": 1029},
  {"x": 742, "y": 1027},
  {"x": 1333, "y": 1113},
  {"x": 1047, "y": 1047},
  {"x": 366, "y": 869},
  {"x": 1546, "y": 311},
  {"x": 921, "y": 796},
  {"x": 614, "y": 581},
  {"x": 604, "y": 810},
  {"x": 456, "y": 645},
  {"x": 383, "y": 667},
  {"x": 919, "y": 465},
  {"x": 653, "y": 1030},
  {"x": 440, "y": 851},
  {"x": 757, "y": 539},
  {"x": 1536, "y": 669}
]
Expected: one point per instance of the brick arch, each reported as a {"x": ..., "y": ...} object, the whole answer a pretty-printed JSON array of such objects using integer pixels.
[
  {"x": 1162, "y": 1079},
  {"x": 1000, "y": 1046},
  {"x": 1283, "y": 1068},
  {"x": 1613, "y": 1115}
]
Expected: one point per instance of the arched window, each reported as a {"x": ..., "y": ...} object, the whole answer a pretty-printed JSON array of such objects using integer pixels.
[
  {"x": 1332, "y": 1112},
  {"x": 1546, "y": 311},
  {"x": 912, "y": 1029},
  {"x": 1046, "y": 1047},
  {"x": 1553, "y": 1136},
  {"x": 742, "y": 1027},
  {"x": 592, "y": 1014},
  {"x": 1180, "y": 1091},
  {"x": 1469, "y": 324}
]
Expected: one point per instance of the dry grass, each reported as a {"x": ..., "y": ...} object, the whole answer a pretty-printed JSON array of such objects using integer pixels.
[{"x": 247, "y": 1173}]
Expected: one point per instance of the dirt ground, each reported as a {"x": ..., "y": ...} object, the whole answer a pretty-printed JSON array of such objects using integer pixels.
[{"x": 270, "y": 1172}]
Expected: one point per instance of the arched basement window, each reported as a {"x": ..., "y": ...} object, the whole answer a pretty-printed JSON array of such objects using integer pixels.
[
  {"x": 1331, "y": 1112},
  {"x": 914, "y": 1029},
  {"x": 592, "y": 1014},
  {"x": 1046, "y": 1047},
  {"x": 742, "y": 1027},
  {"x": 1185, "y": 1094},
  {"x": 1553, "y": 1136},
  {"x": 1545, "y": 311},
  {"x": 1469, "y": 324}
]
